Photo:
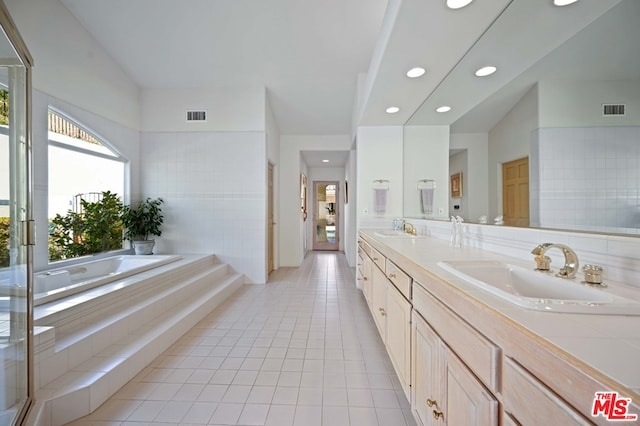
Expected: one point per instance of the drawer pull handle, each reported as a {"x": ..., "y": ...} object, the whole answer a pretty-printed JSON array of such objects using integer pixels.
[
  {"x": 431, "y": 402},
  {"x": 365, "y": 278},
  {"x": 375, "y": 259},
  {"x": 392, "y": 275},
  {"x": 438, "y": 415},
  {"x": 380, "y": 309}
]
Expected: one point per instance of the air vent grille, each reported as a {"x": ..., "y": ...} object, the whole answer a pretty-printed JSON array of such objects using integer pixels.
[
  {"x": 197, "y": 115},
  {"x": 613, "y": 109}
]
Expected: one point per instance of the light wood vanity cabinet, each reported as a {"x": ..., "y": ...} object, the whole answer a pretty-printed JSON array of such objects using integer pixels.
[
  {"x": 445, "y": 391},
  {"x": 391, "y": 311},
  {"x": 451, "y": 372}
]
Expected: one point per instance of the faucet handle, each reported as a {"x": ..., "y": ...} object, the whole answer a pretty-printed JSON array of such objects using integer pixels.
[
  {"x": 593, "y": 275},
  {"x": 543, "y": 263}
]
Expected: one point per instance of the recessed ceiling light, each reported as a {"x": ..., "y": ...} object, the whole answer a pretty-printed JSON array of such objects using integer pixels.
[
  {"x": 444, "y": 108},
  {"x": 457, "y": 4},
  {"x": 415, "y": 72},
  {"x": 325, "y": 161},
  {"x": 563, "y": 2},
  {"x": 392, "y": 110},
  {"x": 485, "y": 71}
]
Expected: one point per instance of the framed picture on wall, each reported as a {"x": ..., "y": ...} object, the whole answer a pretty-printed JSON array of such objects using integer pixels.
[{"x": 456, "y": 185}]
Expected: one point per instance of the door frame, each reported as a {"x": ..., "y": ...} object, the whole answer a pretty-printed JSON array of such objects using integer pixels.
[{"x": 319, "y": 245}]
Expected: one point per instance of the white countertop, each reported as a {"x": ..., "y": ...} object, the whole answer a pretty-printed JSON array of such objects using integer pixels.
[{"x": 610, "y": 344}]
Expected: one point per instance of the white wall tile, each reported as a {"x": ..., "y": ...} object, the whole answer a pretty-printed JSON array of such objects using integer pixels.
[{"x": 214, "y": 186}]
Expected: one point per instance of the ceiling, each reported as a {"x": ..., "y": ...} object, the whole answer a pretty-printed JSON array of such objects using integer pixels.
[{"x": 307, "y": 53}]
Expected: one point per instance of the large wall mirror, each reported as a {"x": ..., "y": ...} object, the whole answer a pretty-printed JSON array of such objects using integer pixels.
[{"x": 552, "y": 139}]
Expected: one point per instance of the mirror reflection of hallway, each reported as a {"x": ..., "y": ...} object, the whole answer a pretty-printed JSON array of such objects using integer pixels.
[{"x": 325, "y": 216}]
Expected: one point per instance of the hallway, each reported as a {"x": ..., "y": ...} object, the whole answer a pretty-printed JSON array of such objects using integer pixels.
[{"x": 301, "y": 350}]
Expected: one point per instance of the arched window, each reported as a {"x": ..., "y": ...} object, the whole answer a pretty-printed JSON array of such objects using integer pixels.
[{"x": 82, "y": 166}]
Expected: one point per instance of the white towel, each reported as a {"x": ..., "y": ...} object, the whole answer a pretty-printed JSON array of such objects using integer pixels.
[
  {"x": 380, "y": 200},
  {"x": 426, "y": 194}
]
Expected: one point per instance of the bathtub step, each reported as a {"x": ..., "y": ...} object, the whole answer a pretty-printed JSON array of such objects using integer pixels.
[
  {"x": 107, "y": 349},
  {"x": 127, "y": 318},
  {"x": 82, "y": 390},
  {"x": 87, "y": 329}
]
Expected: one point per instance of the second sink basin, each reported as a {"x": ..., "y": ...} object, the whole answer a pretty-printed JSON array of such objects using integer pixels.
[{"x": 540, "y": 291}]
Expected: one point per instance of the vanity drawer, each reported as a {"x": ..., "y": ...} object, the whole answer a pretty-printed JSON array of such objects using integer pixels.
[
  {"x": 479, "y": 353},
  {"x": 526, "y": 399},
  {"x": 399, "y": 278},
  {"x": 377, "y": 258},
  {"x": 365, "y": 246}
]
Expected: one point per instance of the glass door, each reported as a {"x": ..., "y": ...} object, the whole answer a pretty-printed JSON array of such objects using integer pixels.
[
  {"x": 16, "y": 227},
  {"x": 325, "y": 216}
]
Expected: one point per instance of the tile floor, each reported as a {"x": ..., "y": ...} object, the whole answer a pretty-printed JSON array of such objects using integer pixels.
[{"x": 301, "y": 350}]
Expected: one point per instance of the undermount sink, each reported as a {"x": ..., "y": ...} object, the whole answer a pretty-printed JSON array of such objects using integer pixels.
[
  {"x": 538, "y": 290},
  {"x": 394, "y": 233}
]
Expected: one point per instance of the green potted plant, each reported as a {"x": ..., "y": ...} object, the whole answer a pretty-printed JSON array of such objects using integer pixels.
[{"x": 142, "y": 221}]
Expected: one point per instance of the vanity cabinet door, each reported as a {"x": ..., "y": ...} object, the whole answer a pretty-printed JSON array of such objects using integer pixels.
[
  {"x": 426, "y": 372},
  {"x": 379, "y": 298},
  {"x": 398, "y": 338},
  {"x": 468, "y": 402},
  {"x": 364, "y": 270}
]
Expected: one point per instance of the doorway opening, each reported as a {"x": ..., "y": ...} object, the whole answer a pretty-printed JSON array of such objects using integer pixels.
[{"x": 326, "y": 216}]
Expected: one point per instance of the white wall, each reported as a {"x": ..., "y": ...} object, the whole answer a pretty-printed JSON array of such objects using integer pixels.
[
  {"x": 228, "y": 109},
  {"x": 214, "y": 186},
  {"x": 350, "y": 211},
  {"x": 426, "y": 156},
  {"x": 579, "y": 103},
  {"x": 379, "y": 157},
  {"x": 475, "y": 200},
  {"x": 292, "y": 235},
  {"x": 509, "y": 140},
  {"x": 71, "y": 66}
]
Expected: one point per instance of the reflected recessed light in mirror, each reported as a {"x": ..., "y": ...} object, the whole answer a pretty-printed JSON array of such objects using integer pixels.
[
  {"x": 563, "y": 2},
  {"x": 457, "y": 4},
  {"x": 485, "y": 71},
  {"x": 415, "y": 72},
  {"x": 392, "y": 110},
  {"x": 325, "y": 161},
  {"x": 444, "y": 108}
]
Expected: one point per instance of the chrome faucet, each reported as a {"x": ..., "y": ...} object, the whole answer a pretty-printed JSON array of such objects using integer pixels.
[
  {"x": 570, "y": 258},
  {"x": 409, "y": 228}
]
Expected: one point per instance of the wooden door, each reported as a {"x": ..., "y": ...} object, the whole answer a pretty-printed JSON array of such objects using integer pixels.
[
  {"x": 515, "y": 192},
  {"x": 270, "y": 222}
]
